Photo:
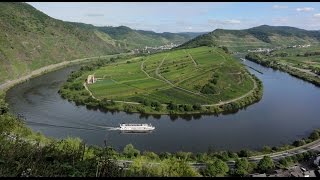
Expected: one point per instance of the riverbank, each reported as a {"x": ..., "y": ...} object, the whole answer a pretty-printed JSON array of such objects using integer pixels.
[
  {"x": 76, "y": 90},
  {"x": 10, "y": 83},
  {"x": 296, "y": 72},
  {"x": 88, "y": 153}
]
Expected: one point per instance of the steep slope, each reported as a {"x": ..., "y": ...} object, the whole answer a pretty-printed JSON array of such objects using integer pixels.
[
  {"x": 127, "y": 38},
  {"x": 29, "y": 39},
  {"x": 139, "y": 38},
  {"x": 261, "y": 36}
]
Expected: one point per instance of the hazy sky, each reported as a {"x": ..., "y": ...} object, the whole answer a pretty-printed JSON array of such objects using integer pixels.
[{"x": 187, "y": 16}]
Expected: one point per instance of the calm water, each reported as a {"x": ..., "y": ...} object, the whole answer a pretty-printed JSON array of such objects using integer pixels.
[{"x": 288, "y": 110}]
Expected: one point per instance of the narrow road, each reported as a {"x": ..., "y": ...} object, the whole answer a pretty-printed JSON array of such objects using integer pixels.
[
  {"x": 126, "y": 102},
  {"x": 167, "y": 81},
  {"x": 300, "y": 69},
  {"x": 298, "y": 150},
  {"x": 10, "y": 83},
  {"x": 275, "y": 156},
  {"x": 236, "y": 99},
  {"x": 85, "y": 86},
  {"x": 195, "y": 63}
]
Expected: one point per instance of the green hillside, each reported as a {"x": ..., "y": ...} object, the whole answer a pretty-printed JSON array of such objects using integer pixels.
[
  {"x": 257, "y": 37},
  {"x": 139, "y": 38},
  {"x": 29, "y": 39},
  {"x": 185, "y": 81}
]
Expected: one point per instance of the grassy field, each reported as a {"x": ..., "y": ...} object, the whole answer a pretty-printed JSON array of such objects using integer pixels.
[
  {"x": 300, "y": 61},
  {"x": 178, "y": 76},
  {"x": 305, "y": 59}
]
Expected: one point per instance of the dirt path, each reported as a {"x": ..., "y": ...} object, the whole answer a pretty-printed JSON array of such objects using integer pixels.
[
  {"x": 126, "y": 102},
  {"x": 167, "y": 81},
  {"x": 300, "y": 69},
  {"x": 238, "y": 98},
  {"x": 195, "y": 63}
]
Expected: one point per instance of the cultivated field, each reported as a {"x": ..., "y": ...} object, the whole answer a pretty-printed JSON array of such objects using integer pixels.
[
  {"x": 305, "y": 59},
  {"x": 181, "y": 76}
]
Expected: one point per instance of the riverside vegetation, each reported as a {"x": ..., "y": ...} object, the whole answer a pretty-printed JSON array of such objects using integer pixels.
[
  {"x": 30, "y": 39},
  {"x": 188, "y": 81},
  {"x": 28, "y": 154},
  {"x": 302, "y": 63}
]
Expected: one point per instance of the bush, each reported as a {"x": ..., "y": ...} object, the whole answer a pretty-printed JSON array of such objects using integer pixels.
[
  {"x": 215, "y": 168},
  {"x": 299, "y": 143},
  {"x": 244, "y": 153},
  {"x": 208, "y": 89},
  {"x": 314, "y": 135},
  {"x": 196, "y": 106},
  {"x": 265, "y": 164},
  {"x": 129, "y": 151}
]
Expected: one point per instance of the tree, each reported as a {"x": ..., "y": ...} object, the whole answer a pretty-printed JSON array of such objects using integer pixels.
[
  {"x": 129, "y": 151},
  {"x": 299, "y": 143},
  {"x": 172, "y": 106},
  {"x": 242, "y": 167},
  {"x": 177, "y": 168},
  {"x": 215, "y": 168},
  {"x": 196, "y": 106},
  {"x": 188, "y": 107},
  {"x": 183, "y": 155},
  {"x": 286, "y": 162},
  {"x": 141, "y": 166},
  {"x": 225, "y": 49},
  {"x": 146, "y": 102},
  {"x": 151, "y": 155},
  {"x": 3, "y": 107},
  {"x": 265, "y": 164},
  {"x": 267, "y": 149},
  {"x": 244, "y": 153},
  {"x": 314, "y": 135},
  {"x": 155, "y": 104}
]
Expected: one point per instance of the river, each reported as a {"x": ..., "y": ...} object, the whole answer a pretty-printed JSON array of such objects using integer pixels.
[{"x": 288, "y": 110}]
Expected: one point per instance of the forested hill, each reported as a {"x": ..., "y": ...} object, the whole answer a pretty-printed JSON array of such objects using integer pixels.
[
  {"x": 128, "y": 38},
  {"x": 256, "y": 37},
  {"x": 30, "y": 39}
]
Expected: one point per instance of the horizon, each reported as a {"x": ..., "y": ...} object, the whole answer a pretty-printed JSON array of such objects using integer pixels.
[{"x": 185, "y": 17}]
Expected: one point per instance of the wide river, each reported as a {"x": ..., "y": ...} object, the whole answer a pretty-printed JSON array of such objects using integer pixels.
[{"x": 288, "y": 110}]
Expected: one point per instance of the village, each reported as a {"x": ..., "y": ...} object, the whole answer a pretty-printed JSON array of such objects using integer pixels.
[
  {"x": 150, "y": 49},
  {"x": 278, "y": 48}
]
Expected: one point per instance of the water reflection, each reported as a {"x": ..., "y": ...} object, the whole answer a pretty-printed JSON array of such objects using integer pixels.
[{"x": 288, "y": 110}]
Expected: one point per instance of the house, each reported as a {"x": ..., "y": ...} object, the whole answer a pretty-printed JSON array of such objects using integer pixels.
[{"x": 91, "y": 79}]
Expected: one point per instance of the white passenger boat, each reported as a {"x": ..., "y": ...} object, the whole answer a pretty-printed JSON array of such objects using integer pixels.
[{"x": 136, "y": 127}]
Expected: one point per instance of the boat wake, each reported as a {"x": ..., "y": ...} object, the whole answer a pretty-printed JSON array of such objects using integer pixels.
[{"x": 110, "y": 128}]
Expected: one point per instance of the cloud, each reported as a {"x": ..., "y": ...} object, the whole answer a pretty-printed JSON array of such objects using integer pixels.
[
  {"x": 94, "y": 15},
  {"x": 316, "y": 15},
  {"x": 305, "y": 9},
  {"x": 279, "y": 7},
  {"x": 233, "y": 21},
  {"x": 309, "y": 23},
  {"x": 224, "y": 22}
]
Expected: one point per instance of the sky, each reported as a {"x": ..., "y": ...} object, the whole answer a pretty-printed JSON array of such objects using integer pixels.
[{"x": 186, "y": 16}]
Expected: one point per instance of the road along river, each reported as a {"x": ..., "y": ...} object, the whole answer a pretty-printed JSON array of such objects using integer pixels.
[{"x": 288, "y": 110}]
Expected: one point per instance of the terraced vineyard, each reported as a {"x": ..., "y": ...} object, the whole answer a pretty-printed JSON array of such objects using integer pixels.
[{"x": 176, "y": 76}]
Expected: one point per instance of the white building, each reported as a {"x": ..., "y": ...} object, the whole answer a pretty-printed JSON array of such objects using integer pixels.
[{"x": 91, "y": 79}]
